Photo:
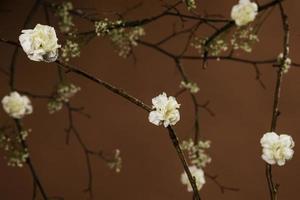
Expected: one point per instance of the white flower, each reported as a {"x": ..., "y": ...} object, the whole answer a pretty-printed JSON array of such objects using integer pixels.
[
  {"x": 40, "y": 43},
  {"x": 244, "y": 12},
  {"x": 277, "y": 148},
  {"x": 165, "y": 110},
  {"x": 16, "y": 106},
  {"x": 199, "y": 176}
]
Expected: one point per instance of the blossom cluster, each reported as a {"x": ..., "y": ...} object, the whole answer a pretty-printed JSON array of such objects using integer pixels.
[
  {"x": 103, "y": 27},
  {"x": 215, "y": 48},
  {"x": 244, "y": 38},
  {"x": 123, "y": 39},
  {"x": 196, "y": 152},
  {"x": 192, "y": 87},
  {"x": 65, "y": 19},
  {"x": 198, "y": 159},
  {"x": 284, "y": 64},
  {"x": 116, "y": 162},
  {"x": 190, "y": 4},
  {"x": 277, "y": 149},
  {"x": 63, "y": 93},
  {"x": 10, "y": 142},
  {"x": 71, "y": 49}
]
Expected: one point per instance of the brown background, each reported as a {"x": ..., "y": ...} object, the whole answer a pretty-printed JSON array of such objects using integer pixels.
[{"x": 151, "y": 169}]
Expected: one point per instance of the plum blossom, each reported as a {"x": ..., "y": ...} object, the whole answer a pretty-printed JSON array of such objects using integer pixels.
[
  {"x": 244, "y": 12},
  {"x": 40, "y": 43},
  {"x": 277, "y": 149},
  {"x": 16, "y": 105},
  {"x": 165, "y": 110},
  {"x": 199, "y": 178}
]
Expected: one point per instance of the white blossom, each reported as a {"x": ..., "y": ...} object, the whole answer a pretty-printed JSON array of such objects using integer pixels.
[
  {"x": 165, "y": 110},
  {"x": 199, "y": 178},
  {"x": 40, "y": 43},
  {"x": 244, "y": 12},
  {"x": 16, "y": 105},
  {"x": 277, "y": 148}
]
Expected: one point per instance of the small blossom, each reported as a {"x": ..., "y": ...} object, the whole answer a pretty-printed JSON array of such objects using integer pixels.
[
  {"x": 16, "y": 105},
  {"x": 116, "y": 162},
  {"x": 40, "y": 43},
  {"x": 199, "y": 176},
  {"x": 192, "y": 87},
  {"x": 285, "y": 64},
  {"x": 277, "y": 148},
  {"x": 54, "y": 106},
  {"x": 190, "y": 4},
  {"x": 165, "y": 110},
  {"x": 244, "y": 12}
]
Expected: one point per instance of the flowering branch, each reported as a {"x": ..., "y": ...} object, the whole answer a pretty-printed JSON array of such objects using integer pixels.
[{"x": 273, "y": 189}]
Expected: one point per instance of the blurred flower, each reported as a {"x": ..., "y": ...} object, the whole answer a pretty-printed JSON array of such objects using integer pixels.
[
  {"x": 277, "y": 148},
  {"x": 199, "y": 178},
  {"x": 65, "y": 18},
  {"x": 192, "y": 87},
  {"x": 116, "y": 162},
  {"x": 40, "y": 43},
  {"x": 285, "y": 64},
  {"x": 190, "y": 4},
  {"x": 196, "y": 152},
  {"x": 165, "y": 110},
  {"x": 16, "y": 106},
  {"x": 244, "y": 12}
]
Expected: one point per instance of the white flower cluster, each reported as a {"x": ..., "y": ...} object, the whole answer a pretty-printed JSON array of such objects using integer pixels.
[
  {"x": 190, "y": 4},
  {"x": 192, "y": 87},
  {"x": 70, "y": 50},
  {"x": 244, "y": 38},
  {"x": 65, "y": 19},
  {"x": 116, "y": 162},
  {"x": 244, "y": 12},
  {"x": 15, "y": 155},
  {"x": 16, "y": 105},
  {"x": 40, "y": 43},
  {"x": 165, "y": 110},
  {"x": 62, "y": 95},
  {"x": 125, "y": 39},
  {"x": 277, "y": 149},
  {"x": 103, "y": 27},
  {"x": 215, "y": 48},
  {"x": 196, "y": 152},
  {"x": 196, "y": 172},
  {"x": 285, "y": 64}
]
